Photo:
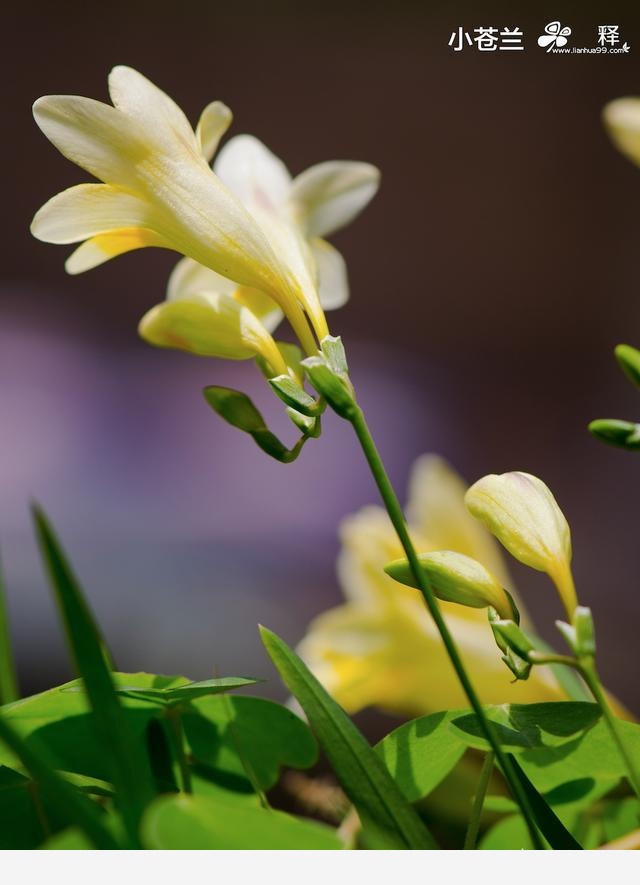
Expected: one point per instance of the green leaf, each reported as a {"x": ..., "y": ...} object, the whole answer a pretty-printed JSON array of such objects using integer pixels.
[
  {"x": 70, "y": 803},
  {"x": 510, "y": 834},
  {"x": 199, "y": 823},
  {"x": 71, "y": 839},
  {"x": 523, "y": 727},
  {"x": 131, "y": 774},
  {"x": 60, "y": 719},
  {"x": 188, "y": 691},
  {"x": 237, "y": 409},
  {"x": 549, "y": 824},
  {"x": 421, "y": 753},
  {"x": 245, "y": 738},
  {"x": 365, "y": 779},
  {"x": 571, "y": 742},
  {"x": 620, "y": 817},
  {"x": 8, "y": 680}
]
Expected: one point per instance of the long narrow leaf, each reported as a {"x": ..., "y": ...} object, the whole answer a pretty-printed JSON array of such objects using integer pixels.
[
  {"x": 81, "y": 811},
  {"x": 8, "y": 681},
  {"x": 365, "y": 779},
  {"x": 131, "y": 773},
  {"x": 549, "y": 824}
]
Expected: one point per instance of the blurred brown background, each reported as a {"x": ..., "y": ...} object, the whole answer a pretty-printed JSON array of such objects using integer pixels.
[{"x": 491, "y": 278}]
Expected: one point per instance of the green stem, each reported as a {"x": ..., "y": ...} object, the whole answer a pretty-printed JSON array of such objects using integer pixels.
[
  {"x": 392, "y": 505},
  {"x": 478, "y": 801},
  {"x": 174, "y": 718},
  {"x": 590, "y": 675},
  {"x": 8, "y": 681}
]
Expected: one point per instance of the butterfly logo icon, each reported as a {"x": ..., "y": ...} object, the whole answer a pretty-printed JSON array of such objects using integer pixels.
[{"x": 554, "y": 35}]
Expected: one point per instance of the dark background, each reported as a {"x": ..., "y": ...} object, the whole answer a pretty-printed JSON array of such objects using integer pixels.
[{"x": 491, "y": 278}]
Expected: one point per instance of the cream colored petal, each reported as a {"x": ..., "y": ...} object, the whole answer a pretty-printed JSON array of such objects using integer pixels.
[
  {"x": 189, "y": 277},
  {"x": 210, "y": 325},
  {"x": 86, "y": 210},
  {"x": 95, "y": 136},
  {"x": 212, "y": 125},
  {"x": 522, "y": 513},
  {"x": 333, "y": 285},
  {"x": 256, "y": 176},
  {"x": 153, "y": 109},
  {"x": 296, "y": 258},
  {"x": 99, "y": 249},
  {"x": 328, "y": 196},
  {"x": 520, "y": 510},
  {"x": 436, "y": 510},
  {"x": 622, "y": 121},
  {"x": 261, "y": 306}
]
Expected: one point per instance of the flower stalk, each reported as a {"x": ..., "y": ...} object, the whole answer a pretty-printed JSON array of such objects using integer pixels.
[{"x": 357, "y": 419}]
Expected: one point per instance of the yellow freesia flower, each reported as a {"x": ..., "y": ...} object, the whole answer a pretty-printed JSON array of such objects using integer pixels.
[
  {"x": 520, "y": 510},
  {"x": 158, "y": 190},
  {"x": 381, "y": 648}
]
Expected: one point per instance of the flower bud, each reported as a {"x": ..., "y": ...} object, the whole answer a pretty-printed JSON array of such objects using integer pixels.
[
  {"x": 629, "y": 361},
  {"x": 521, "y": 512},
  {"x": 624, "y": 434},
  {"x": 334, "y": 387},
  {"x": 622, "y": 121},
  {"x": 454, "y": 577}
]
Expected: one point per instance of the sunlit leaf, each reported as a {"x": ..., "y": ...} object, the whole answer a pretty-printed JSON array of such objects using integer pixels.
[
  {"x": 365, "y": 779},
  {"x": 185, "y": 822}
]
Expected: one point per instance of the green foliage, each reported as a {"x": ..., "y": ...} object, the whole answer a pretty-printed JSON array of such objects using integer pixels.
[
  {"x": 82, "y": 764},
  {"x": 246, "y": 737},
  {"x": 199, "y": 822},
  {"x": 129, "y": 765},
  {"x": 8, "y": 679},
  {"x": 421, "y": 753},
  {"x": 365, "y": 779},
  {"x": 122, "y": 760}
]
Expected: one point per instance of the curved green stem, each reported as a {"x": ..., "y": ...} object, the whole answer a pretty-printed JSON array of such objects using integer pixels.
[
  {"x": 396, "y": 515},
  {"x": 478, "y": 801},
  {"x": 587, "y": 669}
]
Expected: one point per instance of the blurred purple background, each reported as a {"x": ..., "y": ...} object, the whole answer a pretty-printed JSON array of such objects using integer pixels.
[{"x": 491, "y": 278}]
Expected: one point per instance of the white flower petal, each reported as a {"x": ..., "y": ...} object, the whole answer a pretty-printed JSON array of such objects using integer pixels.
[
  {"x": 212, "y": 125},
  {"x": 189, "y": 277},
  {"x": 141, "y": 100},
  {"x": 333, "y": 285},
  {"x": 91, "y": 134},
  {"x": 328, "y": 196},
  {"x": 99, "y": 249},
  {"x": 261, "y": 306},
  {"x": 256, "y": 176},
  {"x": 85, "y": 210}
]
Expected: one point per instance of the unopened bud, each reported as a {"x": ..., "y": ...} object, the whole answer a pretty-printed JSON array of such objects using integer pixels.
[{"x": 454, "y": 577}]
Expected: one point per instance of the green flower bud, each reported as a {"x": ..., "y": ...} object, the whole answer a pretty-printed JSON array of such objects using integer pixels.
[
  {"x": 334, "y": 387},
  {"x": 454, "y": 577},
  {"x": 616, "y": 432},
  {"x": 629, "y": 359}
]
